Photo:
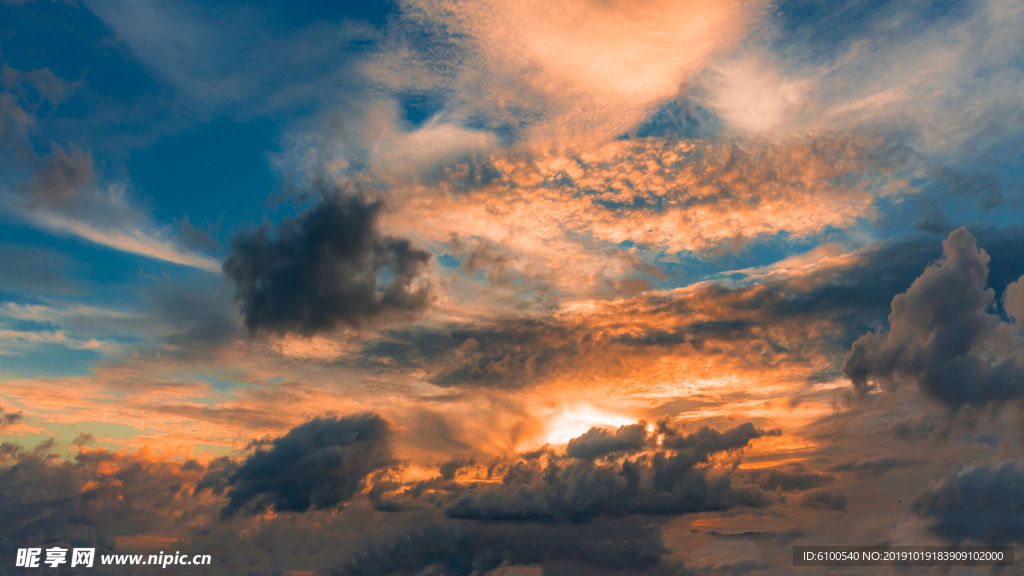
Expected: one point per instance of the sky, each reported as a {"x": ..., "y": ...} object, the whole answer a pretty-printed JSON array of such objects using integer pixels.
[{"x": 511, "y": 287}]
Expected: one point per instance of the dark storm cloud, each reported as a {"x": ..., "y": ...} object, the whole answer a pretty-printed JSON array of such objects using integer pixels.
[
  {"x": 326, "y": 268},
  {"x": 598, "y": 442},
  {"x": 937, "y": 331},
  {"x": 316, "y": 465},
  {"x": 669, "y": 480},
  {"x": 707, "y": 441},
  {"x": 983, "y": 504},
  {"x": 823, "y": 501}
]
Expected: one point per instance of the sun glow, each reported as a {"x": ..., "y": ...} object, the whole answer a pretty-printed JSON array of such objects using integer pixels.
[{"x": 573, "y": 421}]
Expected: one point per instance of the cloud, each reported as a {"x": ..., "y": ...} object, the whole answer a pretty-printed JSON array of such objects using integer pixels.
[
  {"x": 707, "y": 441},
  {"x": 598, "y": 442},
  {"x": 461, "y": 550},
  {"x": 7, "y": 418},
  {"x": 790, "y": 322},
  {"x": 449, "y": 469},
  {"x": 136, "y": 237},
  {"x": 984, "y": 504},
  {"x": 196, "y": 237},
  {"x": 91, "y": 500},
  {"x": 319, "y": 464},
  {"x": 61, "y": 193},
  {"x": 668, "y": 480},
  {"x": 938, "y": 335},
  {"x": 823, "y": 501},
  {"x": 586, "y": 67},
  {"x": 61, "y": 176},
  {"x": 773, "y": 479},
  {"x": 83, "y": 439},
  {"x": 937, "y": 71},
  {"x": 875, "y": 467},
  {"x": 326, "y": 268},
  {"x": 527, "y": 214},
  {"x": 1013, "y": 301},
  {"x": 234, "y": 60}
]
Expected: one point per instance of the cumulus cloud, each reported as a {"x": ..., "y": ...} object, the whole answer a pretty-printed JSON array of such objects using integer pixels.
[
  {"x": 92, "y": 500},
  {"x": 940, "y": 333},
  {"x": 598, "y": 442},
  {"x": 707, "y": 441},
  {"x": 317, "y": 465},
  {"x": 329, "y": 267},
  {"x": 1013, "y": 301},
  {"x": 984, "y": 504},
  {"x": 670, "y": 479}
]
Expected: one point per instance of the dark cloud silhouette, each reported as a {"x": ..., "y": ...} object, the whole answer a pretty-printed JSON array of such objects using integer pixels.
[
  {"x": 706, "y": 441},
  {"x": 328, "y": 267},
  {"x": 984, "y": 504},
  {"x": 823, "y": 501},
  {"x": 450, "y": 468},
  {"x": 83, "y": 439},
  {"x": 319, "y": 464},
  {"x": 598, "y": 442},
  {"x": 937, "y": 334}
]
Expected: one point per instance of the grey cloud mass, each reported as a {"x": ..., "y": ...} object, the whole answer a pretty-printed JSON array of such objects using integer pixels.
[
  {"x": 326, "y": 268},
  {"x": 669, "y": 480},
  {"x": 983, "y": 504},
  {"x": 316, "y": 465},
  {"x": 938, "y": 331}
]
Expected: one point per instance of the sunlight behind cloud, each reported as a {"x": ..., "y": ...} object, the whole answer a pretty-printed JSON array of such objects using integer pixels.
[{"x": 573, "y": 421}]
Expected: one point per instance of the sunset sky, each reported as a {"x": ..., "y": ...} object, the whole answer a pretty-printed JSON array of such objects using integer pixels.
[{"x": 511, "y": 287}]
